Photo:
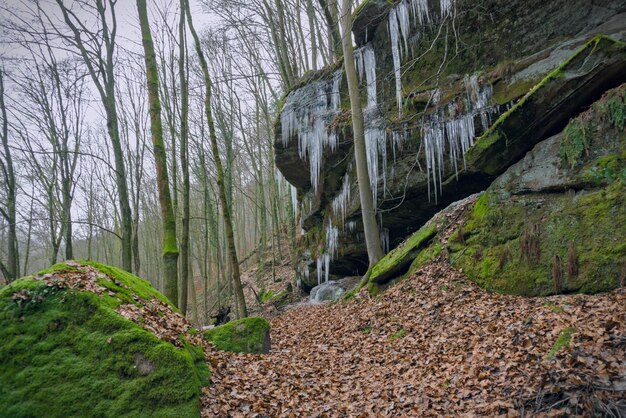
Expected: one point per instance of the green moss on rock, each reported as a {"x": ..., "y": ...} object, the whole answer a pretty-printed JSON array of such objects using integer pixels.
[
  {"x": 496, "y": 254},
  {"x": 396, "y": 262},
  {"x": 522, "y": 126},
  {"x": 247, "y": 335},
  {"x": 67, "y": 352}
]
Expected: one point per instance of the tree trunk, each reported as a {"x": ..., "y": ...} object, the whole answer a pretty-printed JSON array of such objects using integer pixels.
[
  {"x": 372, "y": 234},
  {"x": 12, "y": 269},
  {"x": 226, "y": 213},
  {"x": 184, "y": 151},
  {"x": 170, "y": 250},
  {"x": 330, "y": 14}
]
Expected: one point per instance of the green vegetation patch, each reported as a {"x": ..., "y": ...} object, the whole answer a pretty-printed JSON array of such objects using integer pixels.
[
  {"x": 397, "y": 335},
  {"x": 394, "y": 263},
  {"x": 563, "y": 341},
  {"x": 67, "y": 353},
  {"x": 533, "y": 245},
  {"x": 247, "y": 335}
]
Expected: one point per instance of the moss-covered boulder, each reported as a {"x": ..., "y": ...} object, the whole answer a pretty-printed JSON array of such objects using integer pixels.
[
  {"x": 247, "y": 335},
  {"x": 554, "y": 222},
  {"x": 85, "y": 339}
]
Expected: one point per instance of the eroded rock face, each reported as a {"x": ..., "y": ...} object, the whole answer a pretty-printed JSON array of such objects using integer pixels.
[
  {"x": 508, "y": 51},
  {"x": 553, "y": 222}
]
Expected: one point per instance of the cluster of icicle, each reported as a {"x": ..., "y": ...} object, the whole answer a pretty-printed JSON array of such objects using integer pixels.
[
  {"x": 330, "y": 253},
  {"x": 307, "y": 113},
  {"x": 376, "y": 135},
  {"x": 401, "y": 18},
  {"x": 454, "y": 132}
]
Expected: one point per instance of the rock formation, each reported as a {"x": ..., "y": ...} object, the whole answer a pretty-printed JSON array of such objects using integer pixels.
[{"x": 456, "y": 92}]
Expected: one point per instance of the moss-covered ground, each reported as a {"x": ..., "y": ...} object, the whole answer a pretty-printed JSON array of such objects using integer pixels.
[
  {"x": 68, "y": 353},
  {"x": 247, "y": 335}
]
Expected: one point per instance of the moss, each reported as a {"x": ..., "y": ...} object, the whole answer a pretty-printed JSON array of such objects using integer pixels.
[
  {"x": 266, "y": 295},
  {"x": 425, "y": 256},
  {"x": 247, "y": 335},
  {"x": 493, "y": 253},
  {"x": 575, "y": 142},
  {"x": 398, "y": 334},
  {"x": 485, "y": 150},
  {"x": 563, "y": 341},
  {"x": 504, "y": 94},
  {"x": 553, "y": 307},
  {"x": 606, "y": 170},
  {"x": 400, "y": 257},
  {"x": 367, "y": 329},
  {"x": 68, "y": 353},
  {"x": 373, "y": 288}
]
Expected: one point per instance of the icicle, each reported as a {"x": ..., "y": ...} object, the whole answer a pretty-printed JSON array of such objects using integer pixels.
[
  {"x": 420, "y": 11},
  {"x": 307, "y": 113},
  {"x": 374, "y": 144},
  {"x": 446, "y": 6},
  {"x": 320, "y": 267},
  {"x": 384, "y": 239},
  {"x": 341, "y": 202},
  {"x": 365, "y": 59},
  {"x": 294, "y": 198},
  {"x": 394, "y": 34},
  {"x": 457, "y": 131}
]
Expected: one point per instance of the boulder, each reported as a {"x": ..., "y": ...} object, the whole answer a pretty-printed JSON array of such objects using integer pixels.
[
  {"x": 86, "y": 339},
  {"x": 247, "y": 335},
  {"x": 326, "y": 292},
  {"x": 552, "y": 223}
]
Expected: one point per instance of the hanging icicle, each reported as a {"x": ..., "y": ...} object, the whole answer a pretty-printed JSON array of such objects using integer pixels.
[
  {"x": 455, "y": 132},
  {"x": 341, "y": 202},
  {"x": 307, "y": 113},
  {"x": 365, "y": 59}
]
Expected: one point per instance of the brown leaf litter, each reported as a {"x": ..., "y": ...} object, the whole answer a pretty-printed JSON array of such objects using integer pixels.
[{"x": 432, "y": 345}]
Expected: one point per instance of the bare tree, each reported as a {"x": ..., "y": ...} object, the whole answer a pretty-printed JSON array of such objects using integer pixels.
[
  {"x": 170, "y": 248},
  {"x": 96, "y": 47},
  {"x": 368, "y": 212},
  {"x": 226, "y": 214},
  {"x": 11, "y": 267}
]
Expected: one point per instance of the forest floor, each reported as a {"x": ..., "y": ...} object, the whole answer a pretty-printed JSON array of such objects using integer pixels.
[{"x": 434, "y": 344}]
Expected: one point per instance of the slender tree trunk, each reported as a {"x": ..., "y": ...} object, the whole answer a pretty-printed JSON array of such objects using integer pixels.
[
  {"x": 12, "y": 269},
  {"x": 101, "y": 70},
  {"x": 242, "y": 311},
  {"x": 170, "y": 250},
  {"x": 372, "y": 234},
  {"x": 330, "y": 14},
  {"x": 310, "y": 12},
  {"x": 184, "y": 160},
  {"x": 67, "y": 219}
]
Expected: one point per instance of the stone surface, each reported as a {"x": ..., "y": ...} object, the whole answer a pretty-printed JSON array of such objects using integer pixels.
[
  {"x": 247, "y": 335},
  {"x": 513, "y": 46},
  {"x": 553, "y": 222},
  {"x": 326, "y": 292}
]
